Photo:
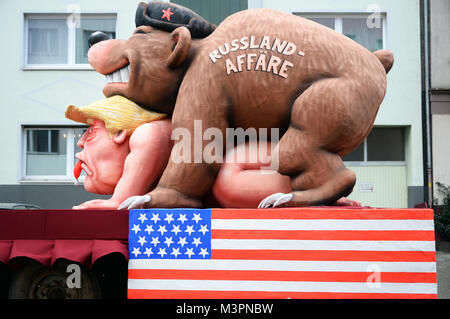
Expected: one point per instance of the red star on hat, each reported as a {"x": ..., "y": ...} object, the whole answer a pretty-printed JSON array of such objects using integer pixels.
[{"x": 167, "y": 14}]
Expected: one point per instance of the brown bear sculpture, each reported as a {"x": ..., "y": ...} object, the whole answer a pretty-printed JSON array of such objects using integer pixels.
[{"x": 259, "y": 68}]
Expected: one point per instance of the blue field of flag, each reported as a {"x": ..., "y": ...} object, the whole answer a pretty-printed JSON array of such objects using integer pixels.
[{"x": 169, "y": 234}]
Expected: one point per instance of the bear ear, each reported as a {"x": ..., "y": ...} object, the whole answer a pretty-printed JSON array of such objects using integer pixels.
[{"x": 180, "y": 43}]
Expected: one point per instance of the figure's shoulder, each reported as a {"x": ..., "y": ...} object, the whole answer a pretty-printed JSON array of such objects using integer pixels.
[{"x": 156, "y": 130}]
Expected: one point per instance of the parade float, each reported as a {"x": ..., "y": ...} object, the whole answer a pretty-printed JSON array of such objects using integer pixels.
[{"x": 266, "y": 217}]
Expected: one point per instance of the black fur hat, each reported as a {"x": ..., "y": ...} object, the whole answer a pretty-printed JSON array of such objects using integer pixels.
[{"x": 169, "y": 16}]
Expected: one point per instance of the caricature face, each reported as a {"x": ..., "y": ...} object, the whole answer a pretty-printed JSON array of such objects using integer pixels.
[
  {"x": 143, "y": 68},
  {"x": 102, "y": 158}
]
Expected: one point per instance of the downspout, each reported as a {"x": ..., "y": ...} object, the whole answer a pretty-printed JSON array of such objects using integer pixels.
[{"x": 429, "y": 163}]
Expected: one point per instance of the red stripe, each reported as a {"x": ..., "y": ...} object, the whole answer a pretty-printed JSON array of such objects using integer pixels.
[
  {"x": 329, "y": 255},
  {"x": 265, "y": 275},
  {"x": 423, "y": 235},
  {"x": 189, "y": 294},
  {"x": 322, "y": 213}
]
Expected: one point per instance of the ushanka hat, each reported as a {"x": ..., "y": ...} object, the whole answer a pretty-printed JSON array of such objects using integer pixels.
[{"x": 169, "y": 16}]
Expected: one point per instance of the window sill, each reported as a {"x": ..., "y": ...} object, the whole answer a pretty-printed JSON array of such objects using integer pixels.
[
  {"x": 82, "y": 67},
  {"x": 45, "y": 181}
]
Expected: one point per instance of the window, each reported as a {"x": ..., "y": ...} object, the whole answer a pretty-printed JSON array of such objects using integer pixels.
[
  {"x": 356, "y": 27},
  {"x": 53, "y": 41},
  {"x": 382, "y": 145},
  {"x": 49, "y": 152}
]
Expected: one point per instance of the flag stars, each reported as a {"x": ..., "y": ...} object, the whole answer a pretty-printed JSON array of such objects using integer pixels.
[
  {"x": 189, "y": 229},
  {"x": 203, "y": 252},
  {"x": 142, "y": 240},
  {"x": 203, "y": 229},
  {"x": 196, "y": 242},
  {"x": 196, "y": 218},
  {"x": 168, "y": 241},
  {"x": 182, "y": 218},
  {"x": 169, "y": 218},
  {"x": 142, "y": 217},
  {"x": 162, "y": 229},
  {"x": 162, "y": 252},
  {"x": 175, "y": 252},
  {"x": 189, "y": 252},
  {"x": 148, "y": 252},
  {"x": 155, "y": 218},
  {"x": 155, "y": 241},
  {"x": 136, "y": 228},
  {"x": 149, "y": 229},
  {"x": 182, "y": 241},
  {"x": 176, "y": 229},
  {"x": 136, "y": 252}
]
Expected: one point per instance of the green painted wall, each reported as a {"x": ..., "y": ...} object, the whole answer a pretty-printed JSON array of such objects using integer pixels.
[{"x": 215, "y": 11}]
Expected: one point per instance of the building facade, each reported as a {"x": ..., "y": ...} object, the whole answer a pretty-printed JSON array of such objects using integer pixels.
[
  {"x": 45, "y": 58},
  {"x": 440, "y": 91}
]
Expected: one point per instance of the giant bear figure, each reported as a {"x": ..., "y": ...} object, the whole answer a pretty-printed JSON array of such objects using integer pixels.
[{"x": 259, "y": 68}]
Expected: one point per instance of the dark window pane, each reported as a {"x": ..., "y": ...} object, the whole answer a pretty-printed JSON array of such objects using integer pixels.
[
  {"x": 328, "y": 22},
  {"x": 386, "y": 144},
  {"x": 357, "y": 155},
  {"x": 358, "y": 30},
  {"x": 41, "y": 140},
  {"x": 55, "y": 141}
]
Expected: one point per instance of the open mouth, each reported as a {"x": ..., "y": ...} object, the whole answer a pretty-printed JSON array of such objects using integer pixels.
[{"x": 119, "y": 76}]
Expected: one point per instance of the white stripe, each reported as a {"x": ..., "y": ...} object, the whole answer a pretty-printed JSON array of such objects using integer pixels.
[
  {"x": 282, "y": 286},
  {"x": 323, "y": 224},
  {"x": 282, "y": 265},
  {"x": 283, "y": 244}
]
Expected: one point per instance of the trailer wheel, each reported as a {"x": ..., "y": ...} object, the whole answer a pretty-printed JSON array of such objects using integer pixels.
[{"x": 36, "y": 281}]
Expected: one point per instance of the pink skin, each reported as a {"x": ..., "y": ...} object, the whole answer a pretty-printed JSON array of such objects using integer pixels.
[
  {"x": 126, "y": 167},
  {"x": 123, "y": 166}
]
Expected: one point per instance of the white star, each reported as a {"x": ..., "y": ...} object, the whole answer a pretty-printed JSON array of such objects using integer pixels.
[
  {"x": 136, "y": 252},
  {"x": 204, "y": 252},
  {"x": 142, "y": 240},
  {"x": 168, "y": 241},
  {"x": 142, "y": 217},
  {"x": 189, "y": 252},
  {"x": 149, "y": 229},
  {"x": 148, "y": 252},
  {"x": 176, "y": 252},
  {"x": 197, "y": 217},
  {"x": 136, "y": 228},
  {"x": 176, "y": 229},
  {"x": 190, "y": 230},
  {"x": 182, "y": 241},
  {"x": 196, "y": 242},
  {"x": 155, "y": 241},
  {"x": 169, "y": 218},
  {"x": 155, "y": 218},
  {"x": 162, "y": 229},
  {"x": 162, "y": 252},
  {"x": 203, "y": 229},
  {"x": 182, "y": 218}
]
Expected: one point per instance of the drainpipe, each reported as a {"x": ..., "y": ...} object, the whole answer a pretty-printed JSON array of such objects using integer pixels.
[{"x": 429, "y": 163}]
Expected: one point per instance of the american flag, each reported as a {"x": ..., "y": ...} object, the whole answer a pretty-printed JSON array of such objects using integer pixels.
[{"x": 281, "y": 253}]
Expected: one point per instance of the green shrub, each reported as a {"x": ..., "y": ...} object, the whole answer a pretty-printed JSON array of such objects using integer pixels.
[{"x": 442, "y": 211}]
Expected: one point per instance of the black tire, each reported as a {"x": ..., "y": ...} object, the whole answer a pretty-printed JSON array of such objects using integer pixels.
[{"x": 35, "y": 281}]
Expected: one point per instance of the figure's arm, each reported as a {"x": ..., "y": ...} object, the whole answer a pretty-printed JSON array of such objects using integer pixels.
[{"x": 150, "y": 146}]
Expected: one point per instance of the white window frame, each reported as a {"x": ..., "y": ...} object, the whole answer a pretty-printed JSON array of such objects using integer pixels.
[
  {"x": 339, "y": 16},
  {"x": 70, "y": 65},
  {"x": 366, "y": 162},
  {"x": 70, "y": 154}
]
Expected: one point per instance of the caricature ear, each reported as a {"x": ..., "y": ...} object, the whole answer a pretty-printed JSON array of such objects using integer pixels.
[
  {"x": 180, "y": 43},
  {"x": 120, "y": 137}
]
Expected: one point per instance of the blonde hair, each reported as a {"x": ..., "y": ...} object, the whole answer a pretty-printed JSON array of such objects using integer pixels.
[{"x": 117, "y": 112}]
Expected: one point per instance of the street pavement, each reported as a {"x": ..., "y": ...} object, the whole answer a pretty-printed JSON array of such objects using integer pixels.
[{"x": 443, "y": 274}]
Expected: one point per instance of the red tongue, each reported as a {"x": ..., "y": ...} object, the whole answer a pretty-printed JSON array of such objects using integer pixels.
[{"x": 77, "y": 170}]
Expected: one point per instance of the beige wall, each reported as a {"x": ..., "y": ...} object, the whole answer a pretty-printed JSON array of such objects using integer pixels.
[
  {"x": 440, "y": 44},
  {"x": 441, "y": 151}
]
